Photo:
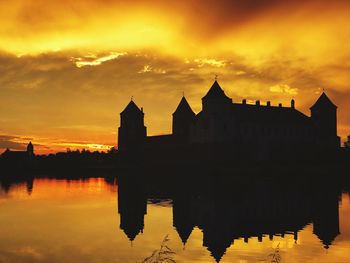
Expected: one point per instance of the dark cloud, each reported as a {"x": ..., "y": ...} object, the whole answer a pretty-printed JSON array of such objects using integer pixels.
[{"x": 7, "y": 141}]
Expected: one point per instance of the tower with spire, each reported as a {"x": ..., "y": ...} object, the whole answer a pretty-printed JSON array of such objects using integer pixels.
[
  {"x": 214, "y": 123},
  {"x": 132, "y": 131},
  {"x": 216, "y": 100},
  {"x": 30, "y": 149},
  {"x": 183, "y": 119},
  {"x": 324, "y": 119}
]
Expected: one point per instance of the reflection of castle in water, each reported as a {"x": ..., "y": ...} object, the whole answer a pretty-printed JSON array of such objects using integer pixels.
[
  {"x": 6, "y": 185},
  {"x": 132, "y": 207},
  {"x": 225, "y": 216}
]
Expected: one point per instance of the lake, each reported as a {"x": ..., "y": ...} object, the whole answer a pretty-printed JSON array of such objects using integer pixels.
[{"x": 98, "y": 220}]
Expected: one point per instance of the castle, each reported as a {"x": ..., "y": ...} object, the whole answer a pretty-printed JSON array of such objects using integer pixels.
[
  {"x": 19, "y": 158},
  {"x": 243, "y": 130}
]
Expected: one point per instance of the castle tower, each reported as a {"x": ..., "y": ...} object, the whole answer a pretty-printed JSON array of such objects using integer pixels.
[
  {"x": 183, "y": 118},
  {"x": 132, "y": 131},
  {"x": 216, "y": 99},
  {"x": 30, "y": 149},
  {"x": 214, "y": 124},
  {"x": 324, "y": 118}
]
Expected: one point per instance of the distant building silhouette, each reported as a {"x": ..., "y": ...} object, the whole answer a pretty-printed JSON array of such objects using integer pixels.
[
  {"x": 19, "y": 157},
  {"x": 247, "y": 131}
]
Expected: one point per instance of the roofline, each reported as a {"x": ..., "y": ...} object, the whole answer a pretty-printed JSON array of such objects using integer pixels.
[{"x": 323, "y": 94}]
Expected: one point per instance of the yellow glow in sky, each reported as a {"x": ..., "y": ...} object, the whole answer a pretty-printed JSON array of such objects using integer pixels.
[{"x": 69, "y": 67}]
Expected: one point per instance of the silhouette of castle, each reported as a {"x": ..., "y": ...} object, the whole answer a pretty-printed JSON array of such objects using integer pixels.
[
  {"x": 246, "y": 130},
  {"x": 19, "y": 157}
]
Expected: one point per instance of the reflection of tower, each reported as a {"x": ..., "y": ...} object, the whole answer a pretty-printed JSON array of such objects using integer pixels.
[
  {"x": 132, "y": 207},
  {"x": 216, "y": 223},
  {"x": 182, "y": 220},
  {"x": 217, "y": 238},
  {"x": 266, "y": 209},
  {"x": 30, "y": 184},
  {"x": 326, "y": 219}
]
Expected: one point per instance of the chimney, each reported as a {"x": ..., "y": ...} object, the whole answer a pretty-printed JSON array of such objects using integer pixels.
[
  {"x": 141, "y": 109},
  {"x": 292, "y": 104},
  {"x": 280, "y": 105},
  {"x": 244, "y": 101},
  {"x": 257, "y": 103},
  {"x": 268, "y": 104}
]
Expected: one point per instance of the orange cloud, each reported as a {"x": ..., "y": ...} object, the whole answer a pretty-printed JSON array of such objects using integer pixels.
[{"x": 69, "y": 67}]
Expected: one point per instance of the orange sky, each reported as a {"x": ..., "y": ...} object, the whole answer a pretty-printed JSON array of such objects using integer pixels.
[{"x": 69, "y": 67}]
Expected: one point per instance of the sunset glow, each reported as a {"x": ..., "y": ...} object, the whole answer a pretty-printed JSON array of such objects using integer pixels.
[{"x": 68, "y": 68}]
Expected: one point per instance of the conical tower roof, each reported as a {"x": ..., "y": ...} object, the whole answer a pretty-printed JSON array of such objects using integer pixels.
[
  {"x": 327, "y": 238},
  {"x": 30, "y": 147},
  {"x": 184, "y": 232},
  {"x": 183, "y": 107},
  {"x": 215, "y": 92},
  {"x": 217, "y": 253},
  {"x": 131, "y": 108},
  {"x": 131, "y": 233},
  {"x": 323, "y": 101}
]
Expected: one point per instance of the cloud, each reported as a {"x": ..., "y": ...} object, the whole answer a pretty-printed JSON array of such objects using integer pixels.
[
  {"x": 146, "y": 68},
  {"x": 210, "y": 61},
  {"x": 68, "y": 104},
  {"x": 284, "y": 88},
  {"x": 20, "y": 254},
  {"x": 240, "y": 72},
  {"x": 195, "y": 28},
  {"x": 12, "y": 142},
  {"x": 28, "y": 252},
  {"x": 149, "y": 68},
  {"x": 93, "y": 60}
]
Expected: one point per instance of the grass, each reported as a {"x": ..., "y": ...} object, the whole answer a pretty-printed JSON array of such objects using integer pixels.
[
  {"x": 162, "y": 255},
  {"x": 276, "y": 256}
]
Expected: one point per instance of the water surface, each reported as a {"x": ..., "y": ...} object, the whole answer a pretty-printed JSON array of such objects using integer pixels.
[{"x": 49, "y": 220}]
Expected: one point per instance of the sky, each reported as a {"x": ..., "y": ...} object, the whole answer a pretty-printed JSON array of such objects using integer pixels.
[{"x": 68, "y": 68}]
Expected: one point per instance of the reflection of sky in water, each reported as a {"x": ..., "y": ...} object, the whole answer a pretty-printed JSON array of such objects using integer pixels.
[{"x": 78, "y": 221}]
